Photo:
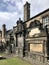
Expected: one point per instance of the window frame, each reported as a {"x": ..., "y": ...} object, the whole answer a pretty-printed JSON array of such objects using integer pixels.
[{"x": 44, "y": 18}]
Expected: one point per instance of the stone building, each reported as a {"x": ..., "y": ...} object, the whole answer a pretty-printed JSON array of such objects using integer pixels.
[
  {"x": 31, "y": 36},
  {"x": 5, "y": 37}
]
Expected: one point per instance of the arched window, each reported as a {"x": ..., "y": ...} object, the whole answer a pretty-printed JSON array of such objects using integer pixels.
[{"x": 34, "y": 23}]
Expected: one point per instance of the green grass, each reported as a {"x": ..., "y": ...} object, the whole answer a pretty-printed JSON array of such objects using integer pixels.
[
  {"x": 13, "y": 61},
  {"x": 2, "y": 54}
]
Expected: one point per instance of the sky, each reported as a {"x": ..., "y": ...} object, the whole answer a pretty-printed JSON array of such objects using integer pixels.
[{"x": 12, "y": 10}]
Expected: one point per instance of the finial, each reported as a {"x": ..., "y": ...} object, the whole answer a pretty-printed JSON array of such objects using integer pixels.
[
  {"x": 3, "y": 25},
  {"x": 19, "y": 19},
  {"x": 27, "y": 2}
]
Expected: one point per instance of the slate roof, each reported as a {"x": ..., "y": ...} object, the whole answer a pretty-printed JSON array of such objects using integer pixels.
[
  {"x": 37, "y": 15},
  {"x": 9, "y": 32}
]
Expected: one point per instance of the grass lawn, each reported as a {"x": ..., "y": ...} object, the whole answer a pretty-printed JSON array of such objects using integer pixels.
[
  {"x": 2, "y": 54},
  {"x": 13, "y": 61}
]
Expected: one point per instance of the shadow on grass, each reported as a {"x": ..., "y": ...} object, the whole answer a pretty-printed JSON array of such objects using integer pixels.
[{"x": 2, "y": 58}]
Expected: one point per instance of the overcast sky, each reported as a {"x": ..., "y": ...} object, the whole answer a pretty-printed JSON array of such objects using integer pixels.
[{"x": 11, "y": 10}]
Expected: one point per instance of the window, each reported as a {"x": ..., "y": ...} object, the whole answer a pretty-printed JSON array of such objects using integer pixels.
[{"x": 45, "y": 21}]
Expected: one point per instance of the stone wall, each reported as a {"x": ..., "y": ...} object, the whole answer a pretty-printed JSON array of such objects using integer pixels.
[{"x": 36, "y": 58}]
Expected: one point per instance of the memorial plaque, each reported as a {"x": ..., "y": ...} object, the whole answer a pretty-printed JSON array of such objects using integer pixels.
[{"x": 36, "y": 47}]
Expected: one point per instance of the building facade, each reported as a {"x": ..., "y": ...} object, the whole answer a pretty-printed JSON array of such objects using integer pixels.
[
  {"x": 6, "y": 38},
  {"x": 32, "y": 36}
]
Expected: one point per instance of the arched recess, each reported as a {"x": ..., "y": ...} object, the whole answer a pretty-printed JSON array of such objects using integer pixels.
[{"x": 35, "y": 23}]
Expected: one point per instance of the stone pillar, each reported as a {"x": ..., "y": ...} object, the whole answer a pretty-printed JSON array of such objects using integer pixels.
[
  {"x": 26, "y": 11},
  {"x": 20, "y": 51},
  {"x": 3, "y": 33},
  {"x": 3, "y": 30},
  {"x": 15, "y": 39},
  {"x": 45, "y": 51}
]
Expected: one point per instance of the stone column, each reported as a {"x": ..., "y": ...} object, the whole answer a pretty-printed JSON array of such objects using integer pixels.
[
  {"x": 45, "y": 51},
  {"x": 26, "y": 11},
  {"x": 3, "y": 30}
]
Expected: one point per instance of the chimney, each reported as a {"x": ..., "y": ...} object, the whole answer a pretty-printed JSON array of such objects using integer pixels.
[
  {"x": 3, "y": 30},
  {"x": 26, "y": 11}
]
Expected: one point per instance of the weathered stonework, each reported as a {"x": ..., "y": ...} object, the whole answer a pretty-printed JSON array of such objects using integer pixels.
[
  {"x": 31, "y": 38},
  {"x": 26, "y": 11}
]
